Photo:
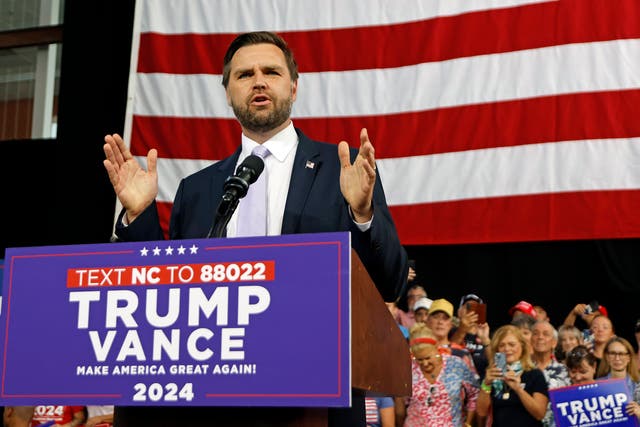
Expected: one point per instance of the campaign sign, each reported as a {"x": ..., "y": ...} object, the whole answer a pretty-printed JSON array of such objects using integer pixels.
[
  {"x": 601, "y": 403},
  {"x": 1, "y": 274},
  {"x": 259, "y": 321}
]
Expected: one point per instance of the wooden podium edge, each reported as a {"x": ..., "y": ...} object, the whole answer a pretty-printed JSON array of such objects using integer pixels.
[{"x": 380, "y": 355}]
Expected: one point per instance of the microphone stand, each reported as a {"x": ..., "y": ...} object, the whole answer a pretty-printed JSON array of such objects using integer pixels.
[
  {"x": 235, "y": 189},
  {"x": 225, "y": 210}
]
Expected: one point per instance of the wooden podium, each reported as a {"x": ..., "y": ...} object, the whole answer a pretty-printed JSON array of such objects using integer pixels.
[{"x": 380, "y": 366}]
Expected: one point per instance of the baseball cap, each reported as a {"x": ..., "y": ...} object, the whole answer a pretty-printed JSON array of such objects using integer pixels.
[
  {"x": 470, "y": 297},
  {"x": 524, "y": 307},
  {"x": 603, "y": 310},
  {"x": 423, "y": 302},
  {"x": 441, "y": 305}
]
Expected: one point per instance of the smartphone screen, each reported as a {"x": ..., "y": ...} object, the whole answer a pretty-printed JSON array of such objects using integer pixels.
[
  {"x": 480, "y": 309},
  {"x": 500, "y": 360},
  {"x": 593, "y": 306}
]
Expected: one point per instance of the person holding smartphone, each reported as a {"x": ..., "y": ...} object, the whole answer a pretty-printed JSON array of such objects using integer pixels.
[
  {"x": 515, "y": 394},
  {"x": 586, "y": 312},
  {"x": 473, "y": 331}
]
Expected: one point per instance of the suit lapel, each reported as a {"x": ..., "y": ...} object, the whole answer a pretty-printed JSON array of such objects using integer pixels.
[
  {"x": 305, "y": 168},
  {"x": 224, "y": 169}
]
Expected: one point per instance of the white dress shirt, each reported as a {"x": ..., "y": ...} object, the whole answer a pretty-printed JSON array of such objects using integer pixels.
[{"x": 278, "y": 167}]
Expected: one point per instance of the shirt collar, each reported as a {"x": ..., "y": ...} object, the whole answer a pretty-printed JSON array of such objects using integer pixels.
[{"x": 280, "y": 145}]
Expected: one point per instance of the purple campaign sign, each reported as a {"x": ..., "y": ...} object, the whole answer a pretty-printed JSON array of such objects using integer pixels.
[
  {"x": 1, "y": 274},
  {"x": 601, "y": 403},
  {"x": 211, "y": 322}
]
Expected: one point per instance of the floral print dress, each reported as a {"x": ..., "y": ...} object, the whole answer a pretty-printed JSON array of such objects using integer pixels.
[{"x": 446, "y": 402}]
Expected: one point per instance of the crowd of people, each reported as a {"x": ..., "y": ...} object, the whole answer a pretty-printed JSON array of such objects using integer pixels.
[{"x": 466, "y": 372}]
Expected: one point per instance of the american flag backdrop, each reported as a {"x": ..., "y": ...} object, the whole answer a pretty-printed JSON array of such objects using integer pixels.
[{"x": 493, "y": 120}]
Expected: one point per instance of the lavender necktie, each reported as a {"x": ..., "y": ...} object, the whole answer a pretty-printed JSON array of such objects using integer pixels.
[{"x": 252, "y": 216}]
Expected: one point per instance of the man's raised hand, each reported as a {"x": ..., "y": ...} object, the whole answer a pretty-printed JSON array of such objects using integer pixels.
[
  {"x": 357, "y": 180},
  {"x": 135, "y": 187}
]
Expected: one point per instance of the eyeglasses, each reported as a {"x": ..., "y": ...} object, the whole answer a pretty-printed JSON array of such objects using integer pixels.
[{"x": 615, "y": 354}]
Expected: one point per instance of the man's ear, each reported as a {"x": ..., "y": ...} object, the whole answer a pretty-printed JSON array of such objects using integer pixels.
[{"x": 294, "y": 90}]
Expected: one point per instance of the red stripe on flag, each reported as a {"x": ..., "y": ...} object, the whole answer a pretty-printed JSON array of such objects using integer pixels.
[
  {"x": 164, "y": 211},
  {"x": 557, "y": 118},
  {"x": 557, "y": 216},
  {"x": 385, "y": 46},
  {"x": 185, "y": 138}
]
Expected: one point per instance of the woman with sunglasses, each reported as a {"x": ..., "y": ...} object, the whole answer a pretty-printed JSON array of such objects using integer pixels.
[{"x": 444, "y": 389}]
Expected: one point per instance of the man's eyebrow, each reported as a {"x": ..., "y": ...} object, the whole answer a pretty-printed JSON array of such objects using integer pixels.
[
  {"x": 270, "y": 67},
  {"x": 242, "y": 70}
]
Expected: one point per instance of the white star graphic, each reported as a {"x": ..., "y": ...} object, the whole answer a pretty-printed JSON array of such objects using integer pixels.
[
  {"x": 168, "y": 250},
  {"x": 181, "y": 250},
  {"x": 144, "y": 251},
  {"x": 194, "y": 249},
  {"x": 156, "y": 251}
]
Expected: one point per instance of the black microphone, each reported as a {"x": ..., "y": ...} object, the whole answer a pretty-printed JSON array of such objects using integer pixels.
[{"x": 235, "y": 188}]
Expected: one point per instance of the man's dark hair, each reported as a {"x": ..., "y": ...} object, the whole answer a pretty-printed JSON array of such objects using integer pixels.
[{"x": 258, "y": 37}]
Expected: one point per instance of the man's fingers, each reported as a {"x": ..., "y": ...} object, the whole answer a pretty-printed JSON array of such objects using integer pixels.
[
  {"x": 343, "y": 154},
  {"x": 366, "y": 148},
  {"x": 152, "y": 160},
  {"x": 364, "y": 136},
  {"x": 369, "y": 169},
  {"x": 108, "y": 151},
  {"x": 365, "y": 158},
  {"x": 111, "y": 172},
  {"x": 116, "y": 150},
  {"x": 126, "y": 154}
]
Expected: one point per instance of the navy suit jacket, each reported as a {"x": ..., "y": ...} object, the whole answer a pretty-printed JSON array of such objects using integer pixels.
[{"x": 314, "y": 205}]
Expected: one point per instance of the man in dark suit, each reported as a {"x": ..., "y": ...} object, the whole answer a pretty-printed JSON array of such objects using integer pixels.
[
  {"x": 326, "y": 188},
  {"x": 312, "y": 187}
]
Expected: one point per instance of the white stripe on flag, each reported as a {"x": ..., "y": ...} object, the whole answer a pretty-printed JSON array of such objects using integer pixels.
[
  {"x": 528, "y": 169},
  {"x": 531, "y": 73},
  {"x": 202, "y": 16}
]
